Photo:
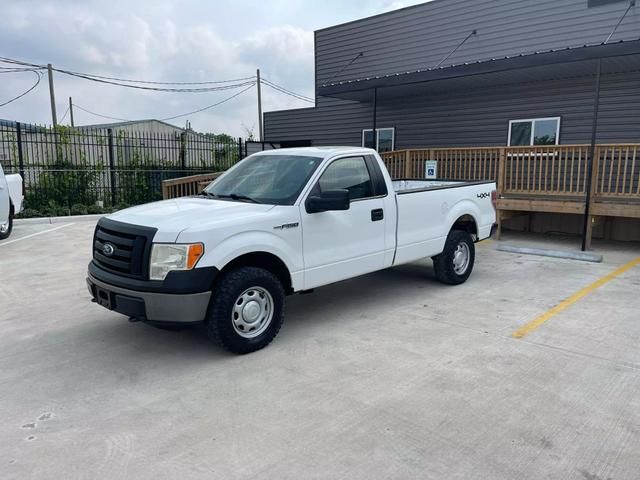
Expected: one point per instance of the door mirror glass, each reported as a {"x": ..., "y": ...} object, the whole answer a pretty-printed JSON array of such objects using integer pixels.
[{"x": 337, "y": 199}]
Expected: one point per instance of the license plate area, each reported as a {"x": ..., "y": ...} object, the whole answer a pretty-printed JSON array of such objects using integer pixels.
[{"x": 104, "y": 298}]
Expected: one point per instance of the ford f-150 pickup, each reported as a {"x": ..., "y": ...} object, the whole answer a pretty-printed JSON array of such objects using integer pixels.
[
  {"x": 280, "y": 222},
  {"x": 10, "y": 201}
]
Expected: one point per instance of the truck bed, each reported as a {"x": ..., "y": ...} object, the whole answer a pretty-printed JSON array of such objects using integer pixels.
[{"x": 410, "y": 186}]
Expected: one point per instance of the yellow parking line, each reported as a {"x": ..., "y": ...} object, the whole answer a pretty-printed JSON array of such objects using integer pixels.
[{"x": 533, "y": 324}]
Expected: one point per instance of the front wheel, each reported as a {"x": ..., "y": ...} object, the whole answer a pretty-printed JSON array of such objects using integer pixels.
[
  {"x": 246, "y": 310},
  {"x": 6, "y": 228},
  {"x": 454, "y": 265}
]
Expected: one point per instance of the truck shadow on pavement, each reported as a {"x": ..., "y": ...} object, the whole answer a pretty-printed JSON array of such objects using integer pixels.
[{"x": 354, "y": 297}]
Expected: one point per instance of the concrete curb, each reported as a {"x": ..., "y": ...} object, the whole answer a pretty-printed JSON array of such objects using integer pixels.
[
  {"x": 570, "y": 255},
  {"x": 51, "y": 220}
]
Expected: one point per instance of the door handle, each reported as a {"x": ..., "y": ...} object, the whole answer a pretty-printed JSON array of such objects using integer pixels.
[{"x": 377, "y": 214}]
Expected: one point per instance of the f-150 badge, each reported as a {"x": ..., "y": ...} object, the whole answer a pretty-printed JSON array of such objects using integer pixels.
[{"x": 286, "y": 225}]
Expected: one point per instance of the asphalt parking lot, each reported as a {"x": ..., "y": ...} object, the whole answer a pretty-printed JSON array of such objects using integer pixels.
[{"x": 391, "y": 375}]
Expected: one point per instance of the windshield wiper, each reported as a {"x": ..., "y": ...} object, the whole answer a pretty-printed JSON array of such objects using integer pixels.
[
  {"x": 235, "y": 196},
  {"x": 204, "y": 193}
]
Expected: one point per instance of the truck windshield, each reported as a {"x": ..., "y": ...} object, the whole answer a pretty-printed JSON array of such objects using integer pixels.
[{"x": 271, "y": 179}]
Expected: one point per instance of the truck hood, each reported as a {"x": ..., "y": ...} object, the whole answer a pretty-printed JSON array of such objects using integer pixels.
[{"x": 171, "y": 217}]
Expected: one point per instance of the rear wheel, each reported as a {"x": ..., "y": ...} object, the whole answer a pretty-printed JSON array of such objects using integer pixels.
[
  {"x": 454, "y": 265},
  {"x": 246, "y": 310},
  {"x": 6, "y": 228}
]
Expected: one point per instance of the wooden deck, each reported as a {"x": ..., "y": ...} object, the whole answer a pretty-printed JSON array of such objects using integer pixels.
[{"x": 549, "y": 179}]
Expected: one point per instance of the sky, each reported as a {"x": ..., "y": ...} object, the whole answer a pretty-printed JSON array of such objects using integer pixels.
[{"x": 169, "y": 41}]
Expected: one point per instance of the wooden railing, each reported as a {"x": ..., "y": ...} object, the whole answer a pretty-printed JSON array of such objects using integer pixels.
[
  {"x": 547, "y": 171},
  {"x": 617, "y": 170},
  {"x": 554, "y": 171},
  {"x": 185, "y": 186},
  {"x": 559, "y": 170}
]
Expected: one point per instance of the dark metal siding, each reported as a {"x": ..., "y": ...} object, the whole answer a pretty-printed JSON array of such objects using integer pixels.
[
  {"x": 421, "y": 36},
  {"x": 333, "y": 122},
  {"x": 473, "y": 117}
]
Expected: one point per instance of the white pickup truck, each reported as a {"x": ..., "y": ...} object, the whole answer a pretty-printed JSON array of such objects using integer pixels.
[
  {"x": 280, "y": 222},
  {"x": 10, "y": 201}
]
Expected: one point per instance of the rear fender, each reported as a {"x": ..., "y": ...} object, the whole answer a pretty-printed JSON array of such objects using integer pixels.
[{"x": 460, "y": 209}]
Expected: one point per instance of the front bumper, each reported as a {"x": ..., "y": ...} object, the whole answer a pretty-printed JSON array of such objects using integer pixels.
[{"x": 150, "y": 306}]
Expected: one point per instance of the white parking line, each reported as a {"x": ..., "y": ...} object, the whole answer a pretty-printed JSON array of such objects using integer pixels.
[{"x": 35, "y": 234}]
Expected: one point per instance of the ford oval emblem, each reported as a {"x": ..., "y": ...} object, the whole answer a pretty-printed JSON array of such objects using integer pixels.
[{"x": 108, "y": 249}]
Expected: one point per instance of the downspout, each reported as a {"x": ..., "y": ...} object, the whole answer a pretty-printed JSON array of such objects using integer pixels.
[{"x": 592, "y": 149}]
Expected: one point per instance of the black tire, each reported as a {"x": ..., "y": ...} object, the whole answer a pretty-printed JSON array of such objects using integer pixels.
[
  {"x": 229, "y": 288},
  {"x": 8, "y": 232},
  {"x": 443, "y": 264}
]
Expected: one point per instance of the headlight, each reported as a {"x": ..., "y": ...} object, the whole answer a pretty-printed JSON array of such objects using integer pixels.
[{"x": 169, "y": 256}]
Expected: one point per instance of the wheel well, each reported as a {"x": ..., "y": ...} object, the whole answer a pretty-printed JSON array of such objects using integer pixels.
[
  {"x": 265, "y": 260},
  {"x": 468, "y": 224}
]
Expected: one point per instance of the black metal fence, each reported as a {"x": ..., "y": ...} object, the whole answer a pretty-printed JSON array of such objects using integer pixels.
[{"x": 85, "y": 170}]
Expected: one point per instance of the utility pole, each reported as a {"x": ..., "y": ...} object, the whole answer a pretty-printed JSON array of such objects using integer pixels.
[
  {"x": 52, "y": 95},
  {"x": 259, "y": 105},
  {"x": 71, "y": 111}
]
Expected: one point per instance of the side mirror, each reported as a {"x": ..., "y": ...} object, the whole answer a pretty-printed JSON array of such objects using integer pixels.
[{"x": 328, "y": 200}]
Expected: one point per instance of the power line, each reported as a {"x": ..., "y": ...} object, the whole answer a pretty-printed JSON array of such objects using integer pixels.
[
  {"x": 158, "y": 89},
  {"x": 288, "y": 92},
  {"x": 128, "y": 80},
  {"x": 220, "y": 84},
  {"x": 24, "y": 93},
  {"x": 20, "y": 62},
  {"x": 149, "y": 82},
  {"x": 210, "y": 106},
  {"x": 100, "y": 115},
  {"x": 167, "y": 118},
  {"x": 17, "y": 70},
  {"x": 65, "y": 113}
]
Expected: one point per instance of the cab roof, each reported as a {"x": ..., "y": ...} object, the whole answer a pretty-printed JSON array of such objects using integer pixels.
[{"x": 322, "y": 152}]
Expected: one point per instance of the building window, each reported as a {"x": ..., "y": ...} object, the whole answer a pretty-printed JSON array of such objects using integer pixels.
[
  {"x": 535, "y": 131},
  {"x": 385, "y": 141}
]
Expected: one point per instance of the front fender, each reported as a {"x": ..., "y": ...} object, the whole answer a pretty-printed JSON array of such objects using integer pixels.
[{"x": 253, "y": 241}]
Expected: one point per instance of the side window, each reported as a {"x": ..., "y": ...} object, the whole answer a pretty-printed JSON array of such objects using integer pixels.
[{"x": 350, "y": 174}]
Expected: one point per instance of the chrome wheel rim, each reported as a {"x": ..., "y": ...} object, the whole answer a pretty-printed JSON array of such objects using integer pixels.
[
  {"x": 252, "y": 312},
  {"x": 461, "y": 258}
]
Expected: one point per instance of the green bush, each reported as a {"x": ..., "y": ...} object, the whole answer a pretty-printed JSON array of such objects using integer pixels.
[
  {"x": 29, "y": 213},
  {"x": 79, "y": 209},
  {"x": 120, "y": 206},
  {"x": 94, "y": 209}
]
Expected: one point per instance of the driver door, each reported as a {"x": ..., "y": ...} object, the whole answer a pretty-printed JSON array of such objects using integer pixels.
[{"x": 342, "y": 244}]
